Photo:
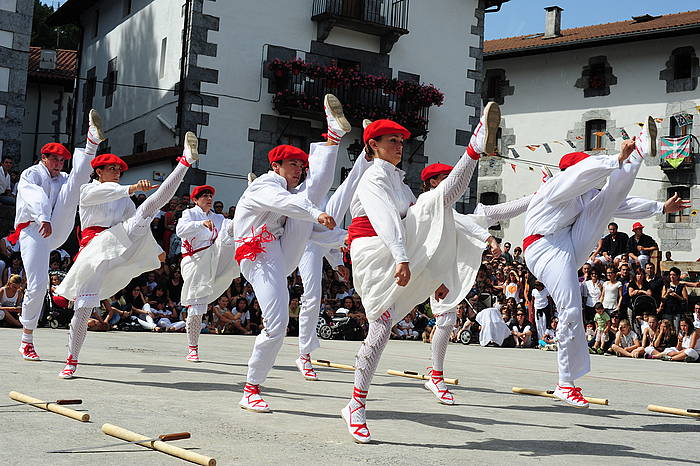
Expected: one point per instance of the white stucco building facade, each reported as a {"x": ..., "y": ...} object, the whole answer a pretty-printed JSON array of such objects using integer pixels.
[
  {"x": 597, "y": 79},
  {"x": 150, "y": 87}
]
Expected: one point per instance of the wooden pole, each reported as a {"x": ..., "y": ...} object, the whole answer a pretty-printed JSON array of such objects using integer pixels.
[
  {"x": 324, "y": 363},
  {"x": 550, "y": 394},
  {"x": 121, "y": 433},
  {"x": 48, "y": 406},
  {"x": 416, "y": 375},
  {"x": 676, "y": 411}
]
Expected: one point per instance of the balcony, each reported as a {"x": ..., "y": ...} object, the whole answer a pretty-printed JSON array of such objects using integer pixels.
[
  {"x": 387, "y": 19},
  {"x": 299, "y": 88},
  {"x": 678, "y": 154}
]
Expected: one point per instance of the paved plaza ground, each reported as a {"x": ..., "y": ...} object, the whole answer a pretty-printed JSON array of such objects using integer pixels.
[{"x": 142, "y": 382}]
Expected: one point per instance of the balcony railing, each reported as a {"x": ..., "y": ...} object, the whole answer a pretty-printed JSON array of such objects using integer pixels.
[
  {"x": 300, "y": 86},
  {"x": 678, "y": 153},
  {"x": 385, "y": 18}
]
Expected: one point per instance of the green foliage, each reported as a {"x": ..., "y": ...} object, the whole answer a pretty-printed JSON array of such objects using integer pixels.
[{"x": 45, "y": 36}]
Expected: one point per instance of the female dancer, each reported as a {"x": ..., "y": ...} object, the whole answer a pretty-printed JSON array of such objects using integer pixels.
[
  {"x": 208, "y": 267},
  {"x": 396, "y": 238},
  {"x": 116, "y": 240}
]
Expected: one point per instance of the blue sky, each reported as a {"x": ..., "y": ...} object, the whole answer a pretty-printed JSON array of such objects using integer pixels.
[{"x": 520, "y": 17}]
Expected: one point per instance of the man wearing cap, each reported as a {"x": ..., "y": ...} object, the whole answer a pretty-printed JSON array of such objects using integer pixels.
[
  {"x": 563, "y": 222},
  {"x": 47, "y": 199},
  {"x": 272, "y": 224},
  {"x": 611, "y": 247},
  {"x": 640, "y": 246},
  {"x": 208, "y": 266},
  {"x": 116, "y": 243}
]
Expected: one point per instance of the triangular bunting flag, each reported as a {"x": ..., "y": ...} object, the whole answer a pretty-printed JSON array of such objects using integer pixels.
[
  {"x": 512, "y": 165},
  {"x": 573, "y": 146},
  {"x": 531, "y": 169},
  {"x": 579, "y": 137},
  {"x": 547, "y": 148},
  {"x": 533, "y": 147},
  {"x": 610, "y": 136},
  {"x": 515, "y": 153},
  {"x": 624, "y": 134}
]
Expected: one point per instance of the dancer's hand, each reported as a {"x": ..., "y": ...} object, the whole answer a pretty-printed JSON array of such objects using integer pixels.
[
  {"x": 626, "y": 149},
  {"x": 142, "y": 185},
  {"x": 402, "y": 274},
  {"x": 326, "y": 220},
  {"x": 495, "y": 247},
  {"x": 209, "y": 225},
  {"x": 344, "y": 273},
  {"x": 676, "y": 204},
  {"x": 45, "y": 229},
  {"x": 441, "y": 292}
]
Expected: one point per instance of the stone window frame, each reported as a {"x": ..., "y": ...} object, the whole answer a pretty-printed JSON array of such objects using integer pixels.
[
  {"x": 678, "y": 217},
  {"x": 578, "y": 133},
  {"x": 596, "y": 65},
  {"x": 496, "y": 86},
  {"x": 668, "y": 74}
]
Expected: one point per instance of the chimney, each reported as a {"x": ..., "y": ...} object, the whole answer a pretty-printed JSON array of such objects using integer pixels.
[
  {"x": 552, "y": 22},
  {"x": 47, "y": 60}
]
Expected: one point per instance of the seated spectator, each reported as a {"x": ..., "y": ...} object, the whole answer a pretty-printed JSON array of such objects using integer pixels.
[
  {"x": 174, "y": 286},
  {"x": 294, "y": 309},
  {"x": 593, "y": 290},
  {"x": 602, "y": 324},
  {"x": 640, "y": 247},
  {"x": 256, "y": 318},
  {"x": 648, "y": 336},
  {"x": 151, "y": 284},
  {"x": 359, "y": 321},
  {"x": 518, "y": 255},
  {"x": 590, "y": 334},
  {"x": 548, "y": 341},
  {"x": 141, "y": 310},
  {"x": 612, "y": 292},
  {"x": 522, "y": 329},
  {"x": 241, "y": 324},
  {"x": 655, "y": 282},
  {"x": 405, "y": 329},
  {"x": 223, "y": 317},
  {"x": 231, "y": 211},
  {"x": 11, "y": 296},
  {"x": 696, "y": 315},
  {"x": 674, "y": 298},
  {"x": 626, "y": 340},
  {"x": 55, "y": 279},
  {"x": 688, "y": 344},
  {"x": 16, "y": 268},
  {"x": 7, "y": 197},
  {"x": 610, "y": 247},
  {"x": 637, "y": 289},
  {"x": 511, "y": 287},
  {"x": 665, "y": 337},
  {"x": 429, "y": 331}
]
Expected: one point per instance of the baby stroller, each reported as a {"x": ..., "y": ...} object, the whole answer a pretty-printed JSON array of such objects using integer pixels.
[
  {"x": 340, "y": 327},
  {"x": 640, "y": 305},
  {"x": 56, "y": 312}
]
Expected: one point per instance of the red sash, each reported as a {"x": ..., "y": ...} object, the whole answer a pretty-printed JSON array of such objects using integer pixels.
[
  {"x": 14, "y": 237},
  {"x": 529, "y": 240},
  {"x": 190, "y": 251},
  {"x": 251, "y": 246},
  {"x": 360, "y": 227}
]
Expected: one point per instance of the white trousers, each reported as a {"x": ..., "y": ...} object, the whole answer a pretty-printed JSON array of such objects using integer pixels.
[
  {"x": 35, "y": 249},
  {"x": 556, "y": 258}
]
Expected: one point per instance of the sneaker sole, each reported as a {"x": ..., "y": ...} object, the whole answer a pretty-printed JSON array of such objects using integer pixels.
[
  {"x": 192, "y": 143},
  {"x": 570, "y": 403},
  {"x": 252, "y": 410},
  {"x": 347, "y": 425},
  {"x": 61, "y": 376},
  {"x": 193, "y": 360},
  {"x": 336, "y": 108},
  {"x": 96, "y": 120},
  {"x": 493, "y": 120},
  {"x": 653, "y": 132}
]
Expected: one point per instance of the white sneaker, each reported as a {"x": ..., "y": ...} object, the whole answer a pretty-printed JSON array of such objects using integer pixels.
[
  {"x": 252, "y": 401},
  {"x": 305, "y": 367},
  {"x": 436, "y": 384},
  {"x": 366, "y": 123},
  {"x": 483, "y": 140},
  {"x": 338, "y": 125},
  {"x": 190, "y": 150},
  {"x": 646, "y": 141},
  {"x": 193, "y": 354},
  {"x": 95, "y": 127},
  {"x": 356, "y": 422},
  {"x": 28, "y": 352},
  {"x": 571, "y": 395},
  {"x": 69, "y": 370}
]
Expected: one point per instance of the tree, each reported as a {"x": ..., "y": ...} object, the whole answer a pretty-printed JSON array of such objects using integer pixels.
[{"x": 45, "y": 36}]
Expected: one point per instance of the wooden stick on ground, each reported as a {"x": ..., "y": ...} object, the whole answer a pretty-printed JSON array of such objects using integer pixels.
[
  {"x": 416, "y": 375},
  {"x": 49, "y": 406},
  {"x": 550, "y": 394},
  {"x": 324, "y": 363},
  {"x": 676, "y": 411},
  {"x": 121, "y": 433}
]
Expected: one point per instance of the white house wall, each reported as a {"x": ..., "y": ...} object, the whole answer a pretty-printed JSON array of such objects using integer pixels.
[{"x": 545, "y": 107}]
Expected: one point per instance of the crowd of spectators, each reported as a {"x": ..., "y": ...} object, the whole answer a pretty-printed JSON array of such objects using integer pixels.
[{"x": 629, "y": 308}]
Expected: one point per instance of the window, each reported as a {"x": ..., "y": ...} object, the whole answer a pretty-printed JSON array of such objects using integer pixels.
[
  {"x": 96, "y": 24},
  {"x": 139, "y": 142},
  {"x": 684, "y": 215},
  {"x": 682, "y": 65},
  {"x": 492, "y": 85},
  {"x": 682, "y": 70},
  {"x": 596, "y": 78},
  {"x": 163, "y": 51},
  {"x": 676, "y": 129},
  {"x": 490, "y": 198},
  {"x": 595, "y": 130},
  {"x": 110, "y": 83},
  {"x": 89, "y": 87},
  {"x": 127, "y": 8}
]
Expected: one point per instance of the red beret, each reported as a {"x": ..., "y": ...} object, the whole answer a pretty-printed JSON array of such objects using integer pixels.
[
  {"x": 287, "y": 152},
  {"x": 108, "y": 159},
  {"x": 571, "y": 159},
  {"x": 637, "y": 225},
  {"x": 382, "y": 127},
  {"x": 435, "y": 169},
  {"x": 56, "y": 149},
  {"x": 199, "y": 190}
]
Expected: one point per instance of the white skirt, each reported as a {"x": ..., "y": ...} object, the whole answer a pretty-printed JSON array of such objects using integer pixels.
[
  {"x": 431, "y": 245},
  {"x": 107, "y": 264}
]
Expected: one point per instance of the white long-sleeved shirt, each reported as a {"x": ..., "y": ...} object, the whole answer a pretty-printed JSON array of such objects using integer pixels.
[
  {"x": 5, "y": 181},
  {"x": 190, "y": 228},
  {"x": 37, "y": 192},
  {"x": 384, "y": 198},
  {"x": 104, "y": 204},
  {"x": 268, "y": 202},
  {"x": 560, "y": 200}
]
